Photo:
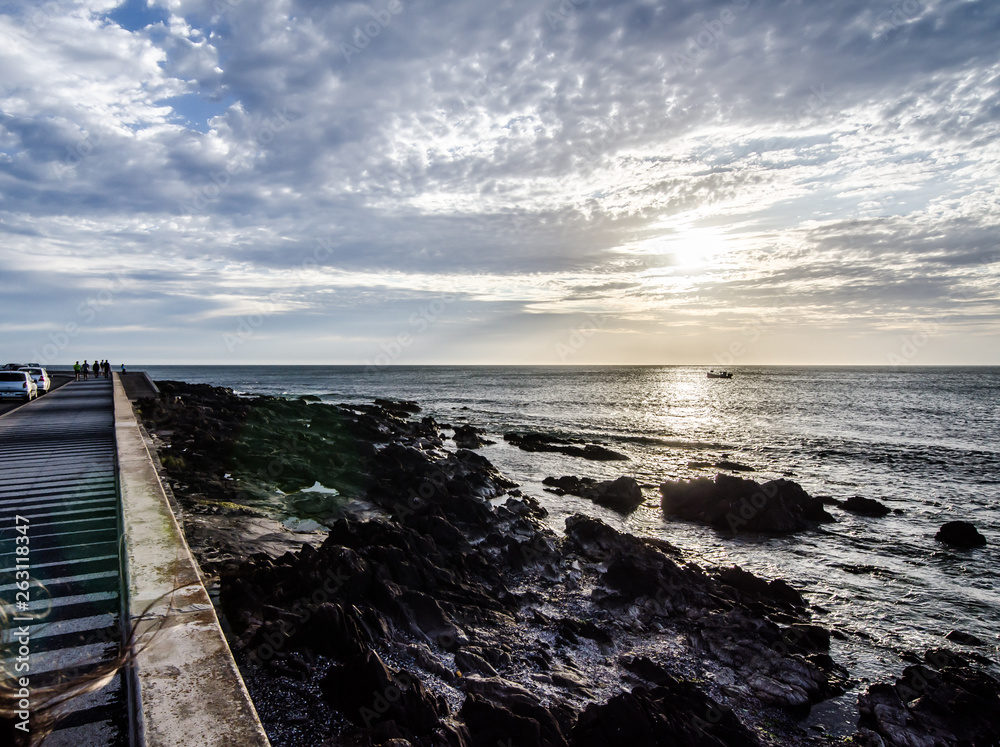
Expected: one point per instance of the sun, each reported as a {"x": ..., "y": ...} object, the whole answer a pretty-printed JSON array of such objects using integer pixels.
[{"x": 694, "y": 249}]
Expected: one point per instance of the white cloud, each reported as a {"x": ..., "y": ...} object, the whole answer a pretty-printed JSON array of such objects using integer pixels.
[{"x": 537, "y": 162}]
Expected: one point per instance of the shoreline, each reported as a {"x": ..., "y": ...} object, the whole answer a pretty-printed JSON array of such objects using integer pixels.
[{"x": 679, "y": 627}]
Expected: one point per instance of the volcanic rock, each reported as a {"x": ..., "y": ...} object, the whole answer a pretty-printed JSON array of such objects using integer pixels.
[
  {"x": 738, "y": 504},
  {"x": 622, "y": 495},
  {"x": 966, "y": 639},
  {"x": 952, "y": 705},
  {"x": 960, "y": 534},
  {"x": 541, "y": 442},
  {"x": 857, "y": 504},
  {"x": 468, "y": 437}
]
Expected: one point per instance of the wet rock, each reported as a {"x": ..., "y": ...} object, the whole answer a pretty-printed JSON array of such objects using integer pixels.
[
  {"x": 671, "y": 713},
  {"x": 954, "y": 705},
  {"x": 622, "y": 495},
  {"x": 491, "y": 724},
  {"x": 966, "y": 639},
  {"x": 541, "y": 442},
  {"x": 452, "y": 576},
  {"x": 367, "y": 693},
  {"x": 960, "y": 534},
  {"x": 733, "y": 466},
  {"x": 753, "y": 589},
  {"x": 739, "y": 504},
  {"x": 468, "y": 662},
  {"x": 398, "y": 407},
  {"x": 468, "y": 437},
  {"x": 857, "y": 504}
]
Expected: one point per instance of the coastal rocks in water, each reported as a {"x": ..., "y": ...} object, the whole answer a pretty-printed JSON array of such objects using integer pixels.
[
  {"x": 542, "y": 442},
  {"x": 457, "y": 617},
  {"x": 468, "y": 437},
  {"x": 622, "y": 495},
  {"x": 401, "y": 408},
  {"x": 737, "y": 504},
  {"x": 734, "y": 466},
  {"x": 966, "y": 639},
  {"x": 857, "y": 504},
  {"x": 960, "y": 534},
  {"x": 945, "y": 703}
]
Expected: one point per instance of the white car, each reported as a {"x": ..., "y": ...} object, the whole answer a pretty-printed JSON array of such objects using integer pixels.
[
  {"x": 41, "y": 377},
  {"x": 18, "y": 384}
]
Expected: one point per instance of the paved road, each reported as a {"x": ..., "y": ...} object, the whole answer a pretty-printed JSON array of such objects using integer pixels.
[{"x": 58, "y": 488}]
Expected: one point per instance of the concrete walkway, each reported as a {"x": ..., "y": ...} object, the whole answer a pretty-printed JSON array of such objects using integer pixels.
[
  {"x": 105, "y": 553},
  {"x": 57, "y": 473}
]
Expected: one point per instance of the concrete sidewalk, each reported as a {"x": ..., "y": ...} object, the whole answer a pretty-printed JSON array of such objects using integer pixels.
[
  {"x": 58, "y": 490},
  {"x": 105, "y": 553}
]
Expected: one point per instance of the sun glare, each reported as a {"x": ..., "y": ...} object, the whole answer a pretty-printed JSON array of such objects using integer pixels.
[{"x": 692, "y": 250}]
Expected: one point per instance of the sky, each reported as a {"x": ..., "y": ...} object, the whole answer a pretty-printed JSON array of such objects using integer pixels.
[{"x": 724, "y": 182}]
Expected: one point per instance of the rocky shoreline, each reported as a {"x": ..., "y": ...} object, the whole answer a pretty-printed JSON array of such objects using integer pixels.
[{"x": 440, "y": 608}]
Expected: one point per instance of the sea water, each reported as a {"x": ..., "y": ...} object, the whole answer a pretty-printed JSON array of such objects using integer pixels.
[{"x": 923, "y": 441}]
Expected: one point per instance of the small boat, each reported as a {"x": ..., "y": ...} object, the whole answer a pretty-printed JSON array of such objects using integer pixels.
[{"x": 719, "y": 375}]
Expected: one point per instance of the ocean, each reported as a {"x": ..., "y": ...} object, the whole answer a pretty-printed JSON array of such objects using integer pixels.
[{"x": 925, "y": 441}]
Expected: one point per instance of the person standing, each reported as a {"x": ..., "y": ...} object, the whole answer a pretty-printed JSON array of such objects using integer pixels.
[
  {"x": 76, "y": 370},
  {"x": 107, "y": 368},
  {"x": 86, "y": 369}
]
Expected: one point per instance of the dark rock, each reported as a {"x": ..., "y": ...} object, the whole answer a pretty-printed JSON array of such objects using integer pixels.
[
  {"x": 966, "y": 639},
  {"x": 955, "y": 705},
  {"x": 398, "y": 407},
  {"x": 367, "y": 693},
  {"x": 755, "y": 589},
  {"x": 521, "y": 723},
  {"x": 671, "y": 713},
  {"x": 733, "y": 466},
  {"x": 622, "y": 495},
  {"x": 738, "y": 504},
  {"x": 960, "y": 534},
  {"x": 857, "y": 504},
  {"x": 468, "y": 662},
  {"x": 541, "y": 442},
  {"x": 468, "y": 437}
]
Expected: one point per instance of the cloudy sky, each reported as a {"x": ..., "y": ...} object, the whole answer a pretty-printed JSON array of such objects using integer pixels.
[{"x": 571, "y": 181}]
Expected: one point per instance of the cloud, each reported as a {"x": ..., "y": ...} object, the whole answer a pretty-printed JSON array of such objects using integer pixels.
[{"x": 655, "y": 161}]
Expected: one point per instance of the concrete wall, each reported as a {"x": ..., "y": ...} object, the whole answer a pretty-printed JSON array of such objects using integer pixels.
[{"x": 186, "y": 684}]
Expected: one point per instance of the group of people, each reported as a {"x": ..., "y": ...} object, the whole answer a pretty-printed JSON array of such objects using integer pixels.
[{"x": 99, "y": 369}]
